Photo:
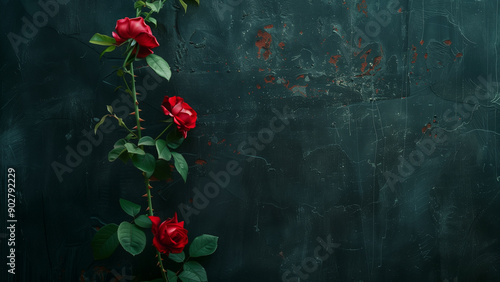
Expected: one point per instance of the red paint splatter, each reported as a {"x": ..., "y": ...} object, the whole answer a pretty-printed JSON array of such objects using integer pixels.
[
  {"x": 447, "y": 42},
  {"x": 415, "y": 55},
  {"x": 301, "y": 32},
  {"x": 400, "y": 10},
  {"x": 269, "y": 79},
  {"x": 362, "y": 7},
  {"x": 258, "y": 86},
  {"x": 282, "y": 45},
  {"x": 300, "y": 76},
  {"x": 424, "y": 129},
  {"x": 200, "y": 162},
  {"x": 333, "y": 60},
  {"x": 458, "y": 55},
  {"x": 269, "y": 26},
  {"x": 264, "y": 43},
  {"x": 376, "y": 62},
  {"x": 359, "y": 42},
  {"x": 426, "y": 55},
  {"x": 429, "y": 125},
  {"x": 209, "y": 143},
  {"x": 261, "y": 69},
  {"x": 422, "y": 42}
]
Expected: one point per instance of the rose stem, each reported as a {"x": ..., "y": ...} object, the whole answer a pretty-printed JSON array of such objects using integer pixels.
[{"x": 146, "y": 180}]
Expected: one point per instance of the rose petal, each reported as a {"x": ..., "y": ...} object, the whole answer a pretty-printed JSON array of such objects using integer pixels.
[{"x": 146, "y": 40}]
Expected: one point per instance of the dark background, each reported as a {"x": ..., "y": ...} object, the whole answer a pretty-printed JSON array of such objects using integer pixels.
[{"x": 352, "y": 121}]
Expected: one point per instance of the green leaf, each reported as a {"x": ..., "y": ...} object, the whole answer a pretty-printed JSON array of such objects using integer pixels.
[
  {"x": 155, "y": 6},
  {"x": 162, "y": 170},
  {"x": 120, "y": 73},
  {"x": 143, "y": 221},
  {"x": 101, "y": 39},
  {"x": 105, "y": 241},
  {"x": 152, "y": 20},
  {"x": 99, "y": 123},
  {"x": 193, "y": 272},
  {"x": 145, "y": 163},
  {"x": 174, "y": 139},
  {"x": 110, "y": 109},
  {"x": 133, "y": 149},
  {"x": 139, "y": 4},
  {"x": 120, "y": 143},
  {"x": 177, "y": 257},
  {"x": 172, "y": 277},
  {"x": 107, "y": 50},
  {"x": 181, "y": 165},
  {"x": 115, "y": 153},
  {"x": 163, "y": 151},
  {"x": 184, "y": 5},
  {"x": 197, "y": 1},
  {"x": 203, "y": 245},
  {"x": 132, "y": 239},
  {"x": 159, "y": 65},
  {"x": 146, "y": 140},
  {"x": 130, "y": 208}
]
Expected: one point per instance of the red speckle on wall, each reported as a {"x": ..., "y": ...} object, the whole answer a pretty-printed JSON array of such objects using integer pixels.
[
  {"x": 447, "y": 42},
  {"x": 264, "y": 43}
]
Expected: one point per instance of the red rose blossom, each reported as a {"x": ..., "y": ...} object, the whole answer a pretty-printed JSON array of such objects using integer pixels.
[
  {"x": 138, "y": 30},
  {"x": 184, "y": 116},
  {"x": 169, "y": 236}
]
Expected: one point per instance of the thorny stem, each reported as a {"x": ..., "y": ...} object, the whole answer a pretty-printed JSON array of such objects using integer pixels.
[{"x": 146, "y": 179}]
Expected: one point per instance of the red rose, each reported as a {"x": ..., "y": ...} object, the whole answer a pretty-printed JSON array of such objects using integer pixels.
[
  {"x": 169, "y": 236},
  {"x": 184, "y": 116},
  {"x": 138, "y": 30}
]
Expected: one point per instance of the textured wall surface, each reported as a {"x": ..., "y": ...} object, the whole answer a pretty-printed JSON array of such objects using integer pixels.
[{"x": 364, "y": 132}]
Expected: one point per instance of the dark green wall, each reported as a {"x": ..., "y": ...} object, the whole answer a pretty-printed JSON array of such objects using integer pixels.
[{"x": 318, "y": 109}]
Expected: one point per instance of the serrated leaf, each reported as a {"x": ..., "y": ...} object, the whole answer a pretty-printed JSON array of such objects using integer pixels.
[
  {"x": 163, "y": 151},
  {"x": 155, "y": 6},
  {"x": 162, "y": 170},
  {"x": 147, "y": 141},
  {"x": 107, "y": 50},
  {"x": 132, "y": 239},
  {"x": 159, "y": 65},
  {"x": 144, "y": 163},
  {"x": 174, "y": 139},
  {"x": 115, "y": 153},
  {"x": 152, "y": 20},
  {"x": 133, "y": 149},
  {"x": 184, "y": 5},
  {"x": 101, "y": 39},
  {"x": 193, "y": 272},
  {"x": 180, "y": 165},
  {"x": 203, "y": 245},
  {"x": 120, "y": 143},
  {"x": 99, "y": 123},
  {"x": 143, "y": 221},
  {"x": 177, "y": 257},
  {"x": 105, "y": 241},
  {"x": 138, "y": 4},
  {"x": 172, "y": 277},
  {"x": 130, "y": 208}
]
